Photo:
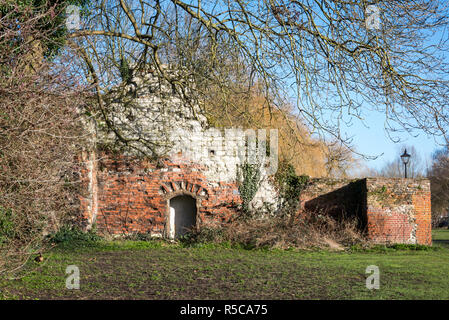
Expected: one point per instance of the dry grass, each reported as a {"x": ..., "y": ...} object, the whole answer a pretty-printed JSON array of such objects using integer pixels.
[{"x": 309, "y": 231}]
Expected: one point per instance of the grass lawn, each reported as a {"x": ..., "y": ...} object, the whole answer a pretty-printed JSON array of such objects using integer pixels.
[{"x": 158, "y": 270}]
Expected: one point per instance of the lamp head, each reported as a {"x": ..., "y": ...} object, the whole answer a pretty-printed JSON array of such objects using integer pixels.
[{"x": 405, "y": 157}]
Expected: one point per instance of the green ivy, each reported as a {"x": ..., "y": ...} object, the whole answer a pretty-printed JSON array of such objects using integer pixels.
[
  {"x": 7, "y": 228},
  {"x": 290, "y": 186},
  {"x": 249, "y": 184},
  {"x": 56, "y": 27},
  {"x": 125, "y": 70}
]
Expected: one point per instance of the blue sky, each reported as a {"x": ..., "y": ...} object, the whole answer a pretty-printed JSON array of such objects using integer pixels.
[
  {"x": 371, "y": 139},
  {"x": 374, "y": 141}
]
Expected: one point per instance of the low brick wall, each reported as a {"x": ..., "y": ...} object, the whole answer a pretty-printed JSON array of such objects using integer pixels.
[
  {"x": 340, "y": 198},
  {"x": 388, "y": 210},
  {"x": 398, "y": 210}
]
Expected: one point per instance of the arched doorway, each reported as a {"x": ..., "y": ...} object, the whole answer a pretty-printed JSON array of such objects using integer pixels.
[{"x": 182, "y": 215}]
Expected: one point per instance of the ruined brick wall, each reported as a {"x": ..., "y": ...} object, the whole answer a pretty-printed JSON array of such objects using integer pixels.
[
  {"x": 159, "y": 122},
  {"x": 340, "y": 198},
  {"x": 398, "y": 210},
  {"x": 126, "y": 195},
  {"x": 388, "y": 210},
  {"x": 133, "y": 195}
]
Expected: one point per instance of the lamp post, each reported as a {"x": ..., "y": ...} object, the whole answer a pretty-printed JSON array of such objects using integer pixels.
[{"x": 405, "y": 158}]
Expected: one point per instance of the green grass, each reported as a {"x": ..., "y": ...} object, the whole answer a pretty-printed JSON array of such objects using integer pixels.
[
  {"x": 440, "y": 238},
  {"x": 159, "y": 270}
]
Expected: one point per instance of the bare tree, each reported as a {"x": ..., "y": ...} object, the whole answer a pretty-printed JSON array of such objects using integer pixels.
[
  {"x": 40, "y": 135},
  {"x": 337, "y": 60},
  {"x": 340, "y": 161},
  {"x": 438, "y": 174}
]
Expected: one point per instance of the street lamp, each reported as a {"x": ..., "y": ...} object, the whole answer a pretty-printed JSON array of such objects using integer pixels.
[{"x": 405, "y": 158}]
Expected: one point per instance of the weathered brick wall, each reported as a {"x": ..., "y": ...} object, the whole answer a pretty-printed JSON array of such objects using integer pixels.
[
  {"x": 156, "y": 119},
  {"x": 336, "y": 197},
  {"x": 133, "y": 195},
  {"x": 388, "y": 210},
  {"x": 398, "y": 210},
  {"x": 127, "y": 195}
]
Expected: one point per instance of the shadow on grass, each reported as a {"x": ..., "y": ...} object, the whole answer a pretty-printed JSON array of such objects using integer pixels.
[{"x": 441, "y": 243}]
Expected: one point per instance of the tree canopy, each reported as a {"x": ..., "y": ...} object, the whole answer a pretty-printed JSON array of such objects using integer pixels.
[
  {"x": 49, "y": 16},
  {"x": 334, "y": 59}
]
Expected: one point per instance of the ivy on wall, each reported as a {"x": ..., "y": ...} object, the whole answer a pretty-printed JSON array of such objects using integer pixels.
[
  {"x": 290, "y": 187},
  {"x": 249, "y": 184}
]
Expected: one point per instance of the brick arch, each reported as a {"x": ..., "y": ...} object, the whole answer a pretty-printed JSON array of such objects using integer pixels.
[{"x": 174, "y": 188}]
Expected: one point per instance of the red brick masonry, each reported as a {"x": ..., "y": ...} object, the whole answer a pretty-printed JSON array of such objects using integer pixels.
[
  {"x": 133, "y": 195},
  {"x": 127, "y": 195},
  {"x": 399, "y": 210},
  {"x": 390, "y": 210}
]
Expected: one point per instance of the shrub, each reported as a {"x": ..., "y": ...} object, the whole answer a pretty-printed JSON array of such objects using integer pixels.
[
  {"x": 71, "y": 234},
  {"x": 290, "y": 186},
  {"x": 7, "y": 227},
  {"x": 140, "y": 237},
  {"x": 206, "y": 234},
  {"x": 41, "y": 130}
]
